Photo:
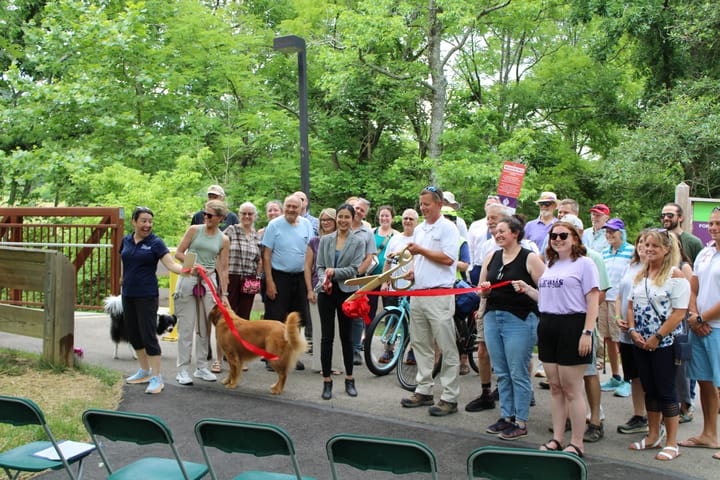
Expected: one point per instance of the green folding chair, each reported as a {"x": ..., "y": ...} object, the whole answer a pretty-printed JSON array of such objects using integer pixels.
[
  {"x": 383, "y": 454},
  {"x": 22, "y": 412},
  {"x": 259, "y": 439},
  {"x": 502, "y": 463},
  {"x": 140, "y": 429}
]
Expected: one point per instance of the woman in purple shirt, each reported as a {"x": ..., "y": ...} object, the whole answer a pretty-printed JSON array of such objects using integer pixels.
[{"x": 568, "y": 302}]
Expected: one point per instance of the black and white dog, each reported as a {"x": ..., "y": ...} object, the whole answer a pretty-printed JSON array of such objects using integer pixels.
[{"x": 113, "y": 307}]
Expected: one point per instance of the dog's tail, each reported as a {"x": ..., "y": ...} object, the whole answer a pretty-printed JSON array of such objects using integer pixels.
[
  {"x": 292, "y": 333},
  {"x": 113, "y": 305}
]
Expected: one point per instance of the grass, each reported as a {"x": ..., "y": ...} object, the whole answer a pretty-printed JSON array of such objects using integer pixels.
[{"x": 63, "y": 394}]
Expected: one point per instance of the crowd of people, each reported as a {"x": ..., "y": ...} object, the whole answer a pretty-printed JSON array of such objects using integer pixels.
[{"x": 579, "y": 295}]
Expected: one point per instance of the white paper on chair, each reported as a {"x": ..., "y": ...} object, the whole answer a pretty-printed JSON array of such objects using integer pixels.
[{"x": 69, "y": 449}]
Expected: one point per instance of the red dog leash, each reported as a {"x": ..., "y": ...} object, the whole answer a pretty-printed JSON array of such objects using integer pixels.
[
  {"x": 360, "y": 307},
  {"x": 228, "y": 320}
]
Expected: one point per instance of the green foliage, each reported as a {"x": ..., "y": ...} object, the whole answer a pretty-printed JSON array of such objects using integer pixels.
[{"x": 121, "y": 102}]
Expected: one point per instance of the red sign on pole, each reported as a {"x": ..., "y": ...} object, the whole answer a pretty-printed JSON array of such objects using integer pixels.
[{"x": 511, "y": 180}]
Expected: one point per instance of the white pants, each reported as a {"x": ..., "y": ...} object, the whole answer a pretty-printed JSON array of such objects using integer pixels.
[
  {"x": 431, "y": 322},
  {"x": 191, "y": 315}
]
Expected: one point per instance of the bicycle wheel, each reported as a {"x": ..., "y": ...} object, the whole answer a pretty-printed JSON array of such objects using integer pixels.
[
  {"x": 383, "y": 339},
  {"x": 407, "y": 368}
]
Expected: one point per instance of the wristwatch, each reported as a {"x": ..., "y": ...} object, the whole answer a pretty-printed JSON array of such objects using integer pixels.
[
  {"x": 659, "y": 336},
  {"x": 700, "y": 320},
  {"x": 587, "y": 332}
]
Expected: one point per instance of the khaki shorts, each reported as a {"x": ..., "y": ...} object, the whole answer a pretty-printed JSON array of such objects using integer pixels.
[{"x": 607, "y": 325}]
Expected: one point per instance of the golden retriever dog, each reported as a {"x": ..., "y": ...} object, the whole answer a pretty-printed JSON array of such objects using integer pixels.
[{"x": 281, "y": 339}]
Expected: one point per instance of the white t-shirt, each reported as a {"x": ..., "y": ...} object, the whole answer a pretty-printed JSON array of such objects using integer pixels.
[{"x": 442, "y": 235}]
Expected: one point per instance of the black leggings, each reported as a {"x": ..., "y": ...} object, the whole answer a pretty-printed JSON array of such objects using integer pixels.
[
  {"x": 140, "y": 315},
  {"x": 657, "y": 374},
  {"x": 328, "y": 306}
]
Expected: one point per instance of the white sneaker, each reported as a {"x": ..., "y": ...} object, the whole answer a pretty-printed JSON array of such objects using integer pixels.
[
  {"x": 540, "y": 371},
  {"x": 183, "y": 378},
  {"x": 205, "y": 374}
]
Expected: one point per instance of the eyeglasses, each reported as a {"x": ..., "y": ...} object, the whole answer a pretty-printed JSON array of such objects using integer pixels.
[
  {"x": 561, "y": 236},
  {"x": 327, "y": 219},
  {"x": 247, "y": 214},
  {"x": 493, "y": 197},
  {"x": 209, "y": 215},
  {"x": 500, "y": 272},
  {"x": 669, "y": 215},
  {"x": 546, "y": 204}
]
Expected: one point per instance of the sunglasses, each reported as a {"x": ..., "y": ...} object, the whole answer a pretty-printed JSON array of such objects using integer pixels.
[
  {"x": 561, "y": 236},
  {"x": 210, "y": 215},
  {"x": 669, "y": 215},
  {"x": 500, "y": 272},
  {"x": 546, "y": 204}
]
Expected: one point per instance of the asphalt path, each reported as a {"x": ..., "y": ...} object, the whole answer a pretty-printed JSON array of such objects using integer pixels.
[{"x": 311, "y": 421}]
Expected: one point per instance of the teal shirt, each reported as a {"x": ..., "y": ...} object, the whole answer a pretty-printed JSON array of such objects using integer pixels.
[{"x": 206, "y": 247}]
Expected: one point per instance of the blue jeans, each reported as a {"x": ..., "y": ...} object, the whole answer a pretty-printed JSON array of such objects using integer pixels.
[{"x": 510, "y": 341}]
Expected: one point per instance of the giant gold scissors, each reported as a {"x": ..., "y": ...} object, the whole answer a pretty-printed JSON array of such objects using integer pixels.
[{"x": 370, "y": 282}]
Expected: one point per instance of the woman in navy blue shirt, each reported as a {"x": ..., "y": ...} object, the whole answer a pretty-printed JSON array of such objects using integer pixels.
[{"x": 141, "y": 251}]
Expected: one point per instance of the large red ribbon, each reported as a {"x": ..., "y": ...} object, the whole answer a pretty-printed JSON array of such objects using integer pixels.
[
  {"x": 256, "y": 350},
  {"x": 360, "y": 307}
]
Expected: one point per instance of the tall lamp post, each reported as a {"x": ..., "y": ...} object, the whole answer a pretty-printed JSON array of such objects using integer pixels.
[{"x": 293, "y": 43}]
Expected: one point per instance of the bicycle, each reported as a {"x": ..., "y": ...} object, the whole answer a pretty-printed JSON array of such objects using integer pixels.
[
  {"x": 388, "y": 332},
  {"x": 466, "y": 339}
]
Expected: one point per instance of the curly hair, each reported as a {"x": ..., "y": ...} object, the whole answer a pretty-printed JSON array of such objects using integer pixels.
[{"x": 578, "y": 249}]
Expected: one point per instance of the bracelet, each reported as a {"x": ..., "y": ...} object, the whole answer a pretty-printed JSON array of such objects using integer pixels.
[
  {"x": 631, "y": 330},
  {"x": 659, "y": 336}
]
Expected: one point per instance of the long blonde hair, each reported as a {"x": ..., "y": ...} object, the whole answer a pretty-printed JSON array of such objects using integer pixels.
[{"x": 671, "y": 260}]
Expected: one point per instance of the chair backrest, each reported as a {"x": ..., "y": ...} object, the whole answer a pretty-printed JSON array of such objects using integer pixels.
[
  {"x": 20, "y": 411},
  {"x": 231, "y": 436},
  {"x": 138, "y": 428},
  {"x": 363, "y": 452},
  {"x": 509, "y": 463}
]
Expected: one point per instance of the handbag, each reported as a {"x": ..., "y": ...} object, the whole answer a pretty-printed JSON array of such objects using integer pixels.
[
  {"x": 250, "y": 285},
  {"x": 466, "y": 302},
  {"x": 198, "y": 290}
]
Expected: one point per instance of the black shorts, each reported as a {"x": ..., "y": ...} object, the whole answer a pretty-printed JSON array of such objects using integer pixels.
[
  {"x": 627, "y": 357},
  {"x": 559, "y": 338}
]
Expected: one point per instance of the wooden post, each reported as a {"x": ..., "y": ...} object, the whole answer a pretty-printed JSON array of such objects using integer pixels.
[
  {"x": 682, "y": 198},
  {"x": 53, "y": 274}
]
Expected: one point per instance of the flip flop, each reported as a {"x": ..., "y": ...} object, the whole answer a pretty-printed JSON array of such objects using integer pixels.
[
  {"x": 716, "y": 456},
  {"x": 694, "y": 442},
  {"x": 668, "y": 453}
]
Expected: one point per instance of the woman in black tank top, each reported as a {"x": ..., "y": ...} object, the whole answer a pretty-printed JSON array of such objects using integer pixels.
[{"x": 510, "y": 274}]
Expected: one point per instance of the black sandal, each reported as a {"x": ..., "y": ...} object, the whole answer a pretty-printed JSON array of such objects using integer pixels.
[
  {"x": 576, "y": 451},
  {"x": 552, "y": 445}
]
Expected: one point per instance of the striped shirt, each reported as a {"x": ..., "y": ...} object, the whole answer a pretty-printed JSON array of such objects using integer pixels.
[{"x": 616, "y": 264}]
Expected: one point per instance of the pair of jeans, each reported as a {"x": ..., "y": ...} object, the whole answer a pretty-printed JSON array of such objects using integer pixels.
[{"x": 510, "y": 341}]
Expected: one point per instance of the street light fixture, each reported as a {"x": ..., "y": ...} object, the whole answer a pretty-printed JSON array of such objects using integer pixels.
[{"x": 295, "y": 44}]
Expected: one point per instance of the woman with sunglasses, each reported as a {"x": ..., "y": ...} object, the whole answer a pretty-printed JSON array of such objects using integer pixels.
[
  {"x": 193, "y": 299},
  {"x": 510, "y": 324},
  {"x": 568, "y": 298},
  {"x": 658, "y": 302}
]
